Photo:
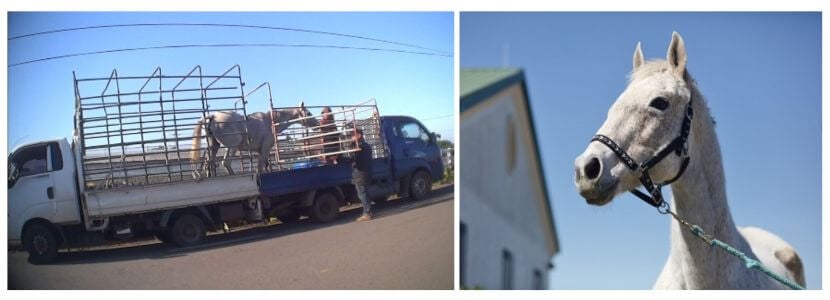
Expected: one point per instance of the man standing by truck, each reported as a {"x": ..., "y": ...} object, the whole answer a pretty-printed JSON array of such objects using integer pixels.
[{"x": 362, "y": 174}]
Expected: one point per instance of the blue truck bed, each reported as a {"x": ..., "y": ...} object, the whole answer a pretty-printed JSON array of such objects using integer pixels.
[
  {"x": 304, "y": 179},
  {"x": 316, "y": 177}
]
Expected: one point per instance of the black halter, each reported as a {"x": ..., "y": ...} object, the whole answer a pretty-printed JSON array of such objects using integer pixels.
[{"x": 679, "y": 145}]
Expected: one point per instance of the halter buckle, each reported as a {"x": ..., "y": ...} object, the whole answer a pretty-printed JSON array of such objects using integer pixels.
[{"x": 657, "y": 192}]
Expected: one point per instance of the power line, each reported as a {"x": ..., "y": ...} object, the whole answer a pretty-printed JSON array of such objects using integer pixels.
[
  {"x": 227, "y": 25},
  {"x": 227, "y": 46}
]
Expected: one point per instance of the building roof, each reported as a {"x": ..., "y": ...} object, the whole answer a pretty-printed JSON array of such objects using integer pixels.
[
  {"x": 478, "y": 85},
  {"x": 476, "y": 79}
]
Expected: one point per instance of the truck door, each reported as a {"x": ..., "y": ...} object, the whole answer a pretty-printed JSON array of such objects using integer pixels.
[
  {"x": 29, "y": 183},
  {"x": 40, "y": 186},
  {"x": 64, "y": 184},
  {"x": 412, "y": 146}
]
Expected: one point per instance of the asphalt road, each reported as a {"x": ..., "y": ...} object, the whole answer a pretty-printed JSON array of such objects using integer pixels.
[{"x": 409, "y": 245}]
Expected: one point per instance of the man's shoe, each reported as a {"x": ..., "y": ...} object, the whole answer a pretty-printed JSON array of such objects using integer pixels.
[{"x": 364, "y": 217}]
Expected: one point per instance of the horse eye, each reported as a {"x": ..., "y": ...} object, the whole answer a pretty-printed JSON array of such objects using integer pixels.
[{"x": 659, "y": 103}]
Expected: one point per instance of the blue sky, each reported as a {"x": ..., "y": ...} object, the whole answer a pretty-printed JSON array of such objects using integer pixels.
[
  {"x": 41, "y": 95},
  {"x": 761, "y": 75}
]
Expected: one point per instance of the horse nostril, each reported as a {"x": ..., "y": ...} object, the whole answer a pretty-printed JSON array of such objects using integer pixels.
[{"x": 592, "y": 168}]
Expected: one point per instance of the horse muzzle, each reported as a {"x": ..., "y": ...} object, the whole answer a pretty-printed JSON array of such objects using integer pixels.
[{"x": 593, "y": 179}]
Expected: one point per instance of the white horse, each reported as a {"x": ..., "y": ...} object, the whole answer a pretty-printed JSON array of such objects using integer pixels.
[
  {"x": 228, "y": 128},
  {"x": 646, "y": 117}
]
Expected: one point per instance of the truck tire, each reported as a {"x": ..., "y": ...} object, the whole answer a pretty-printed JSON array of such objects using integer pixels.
[
  {"x": 325, "y": 208},
  {"x": 419, "y": 185},
  {"x": 41, "y": 243},
  {"x": 188, "y": 230}
]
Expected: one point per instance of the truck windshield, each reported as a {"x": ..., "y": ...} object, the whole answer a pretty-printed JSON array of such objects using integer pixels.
[
  {"x": 27, "y": 161},
  {"x": 412, "y": 130}
]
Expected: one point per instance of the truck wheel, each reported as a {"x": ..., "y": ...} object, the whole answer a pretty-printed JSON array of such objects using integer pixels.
[
  {"x": 325, "y": 208},
  {"x": 419, "y": 185},
  {"x": 41, "y": 243},
  {"x": 188, "y": 230},
  {"x": 289, "y": 217}
]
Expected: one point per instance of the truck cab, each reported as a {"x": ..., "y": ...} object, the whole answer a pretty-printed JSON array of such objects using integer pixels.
[
  {"x": 415, "y": 155},
  {"x": 41, "y": 187}
]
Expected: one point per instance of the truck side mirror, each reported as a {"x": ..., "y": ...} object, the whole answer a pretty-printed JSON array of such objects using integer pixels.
[{"x": 13, "y": 175}]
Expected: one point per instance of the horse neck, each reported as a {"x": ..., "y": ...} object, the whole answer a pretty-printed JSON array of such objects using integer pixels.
[
  {"x": 700, "y": 193},
  {"x": 282, "y": 117},
  {"x": 700, "y": 198}
]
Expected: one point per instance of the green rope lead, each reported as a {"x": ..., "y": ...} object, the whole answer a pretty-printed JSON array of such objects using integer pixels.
[{"x": 750, "y": 263}]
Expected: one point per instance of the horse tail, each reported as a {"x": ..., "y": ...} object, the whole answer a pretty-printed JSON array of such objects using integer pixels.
[{"x": 195, "y": 149}]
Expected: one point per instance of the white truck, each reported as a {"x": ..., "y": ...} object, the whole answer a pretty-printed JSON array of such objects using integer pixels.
[{"x": 127, "y": 171}]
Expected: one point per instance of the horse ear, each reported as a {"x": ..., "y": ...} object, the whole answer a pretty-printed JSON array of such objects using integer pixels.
[
  {"x": 677, "y": 55},
  {"x": 302, "y": 103},
  {"x": 638, "y": 57}
]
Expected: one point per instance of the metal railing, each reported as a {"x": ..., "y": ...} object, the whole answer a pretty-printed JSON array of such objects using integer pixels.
[
  {"x": 138, "y": 130},
  {"x": 300, "y": 146}
]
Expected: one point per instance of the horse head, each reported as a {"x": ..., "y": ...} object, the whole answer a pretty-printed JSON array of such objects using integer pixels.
[
  {"x": 643, "y": 122},
  {"x": 307, "y": 118}
]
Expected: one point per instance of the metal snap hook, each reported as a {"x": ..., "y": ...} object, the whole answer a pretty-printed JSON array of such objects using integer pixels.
[{"x": 663, "y": 208}]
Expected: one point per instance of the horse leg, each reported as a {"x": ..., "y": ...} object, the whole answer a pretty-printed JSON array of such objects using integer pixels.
[
  {"x": 265, "y": 157},
  {"x": 213, "y": 151},
  {"x": 261, "y": 162},
  {"x": 230, "y": 152}
]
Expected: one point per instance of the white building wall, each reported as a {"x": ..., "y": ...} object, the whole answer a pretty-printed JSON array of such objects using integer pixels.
[{"x": 500, "y": 208}]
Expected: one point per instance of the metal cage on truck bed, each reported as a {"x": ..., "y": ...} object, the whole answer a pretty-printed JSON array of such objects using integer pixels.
[
  {"x": 310, "y": 146},
  {"x": 138, "y": 130}
]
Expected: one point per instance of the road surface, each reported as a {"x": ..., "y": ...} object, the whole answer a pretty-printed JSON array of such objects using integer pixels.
[{"x": 409, "y": 245}]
